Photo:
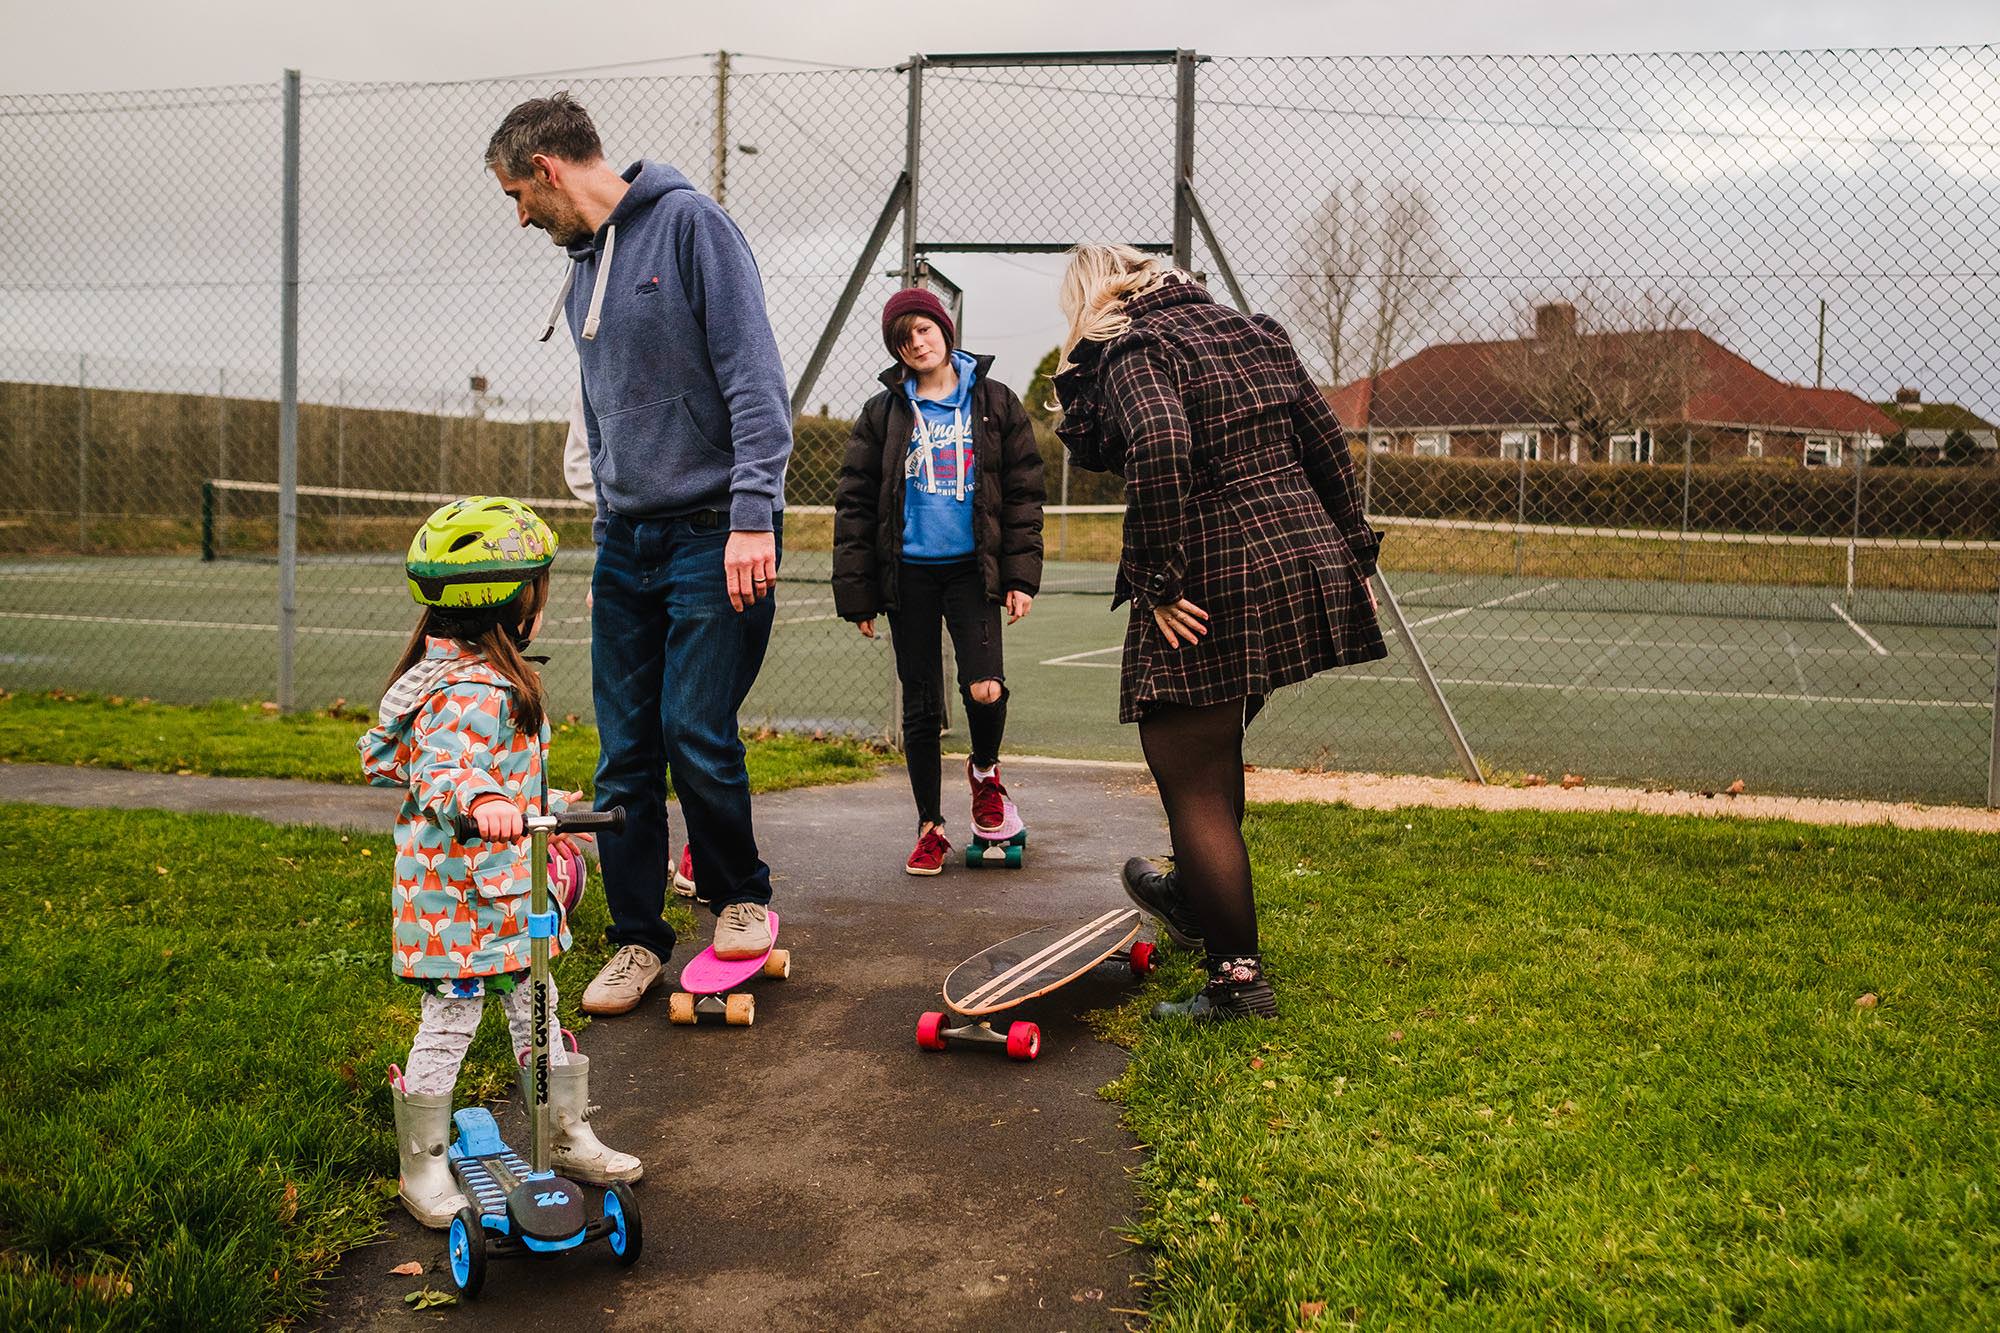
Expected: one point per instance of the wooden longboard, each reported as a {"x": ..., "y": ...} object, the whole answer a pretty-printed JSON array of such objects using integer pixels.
[{"x": 1037, "y": 961}]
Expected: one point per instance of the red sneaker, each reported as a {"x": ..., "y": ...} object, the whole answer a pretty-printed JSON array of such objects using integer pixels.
[
  {"x": 929, "y": 857},
  {"x": 684, "y": 873},
  {"x": 989, "y": 802}
]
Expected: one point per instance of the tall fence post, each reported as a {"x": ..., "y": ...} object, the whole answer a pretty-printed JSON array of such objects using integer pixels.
[
  {"x": 82, "y": 451},
  {"x": 340, "y": 443},
  {"x": 1520, "y": 509},
  {"x": 913, "y": 152},
  {"x": 1062, "y": 529},
  {"x": 1184, "y": 65},
  {"x": 443, "y": 445},
  {"x": 288, "y": 405}
]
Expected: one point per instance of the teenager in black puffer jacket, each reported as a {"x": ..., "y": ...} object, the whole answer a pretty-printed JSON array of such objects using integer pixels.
[{"x": 938, "y": 523}]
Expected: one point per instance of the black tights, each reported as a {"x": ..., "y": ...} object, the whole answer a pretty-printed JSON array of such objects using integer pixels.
[{"x": 1196, "y": 755}]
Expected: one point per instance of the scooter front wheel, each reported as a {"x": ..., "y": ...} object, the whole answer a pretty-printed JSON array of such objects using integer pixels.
[
  {"x": 467, "y": 1252},
  {"x": 622, "y": 1207}
]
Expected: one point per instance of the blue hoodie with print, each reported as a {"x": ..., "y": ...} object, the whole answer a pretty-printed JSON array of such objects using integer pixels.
[
  {"x": 939, "y": 473},
  {"x": 684, "y": 398}
]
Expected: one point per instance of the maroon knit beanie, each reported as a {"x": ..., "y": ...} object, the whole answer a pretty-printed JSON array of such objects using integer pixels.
[{"x": 916, "y": 301}]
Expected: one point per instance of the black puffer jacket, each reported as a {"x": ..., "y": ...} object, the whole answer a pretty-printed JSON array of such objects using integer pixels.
[{"x": 868, "y": 506}]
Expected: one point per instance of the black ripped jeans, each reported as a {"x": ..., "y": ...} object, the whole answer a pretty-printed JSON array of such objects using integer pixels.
[{"x": 931, "y": 598}]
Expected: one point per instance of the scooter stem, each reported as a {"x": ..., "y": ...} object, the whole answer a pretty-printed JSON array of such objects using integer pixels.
[{"x": 538, "y": 977}]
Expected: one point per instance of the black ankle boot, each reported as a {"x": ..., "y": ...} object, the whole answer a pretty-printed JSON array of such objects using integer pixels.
[
  {"x": 1236, "y": 989},
  {"x": 1157, "y": 893}
]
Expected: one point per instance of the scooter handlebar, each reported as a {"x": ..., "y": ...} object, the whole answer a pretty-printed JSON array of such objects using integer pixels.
[{"x": 466, "y": 828}]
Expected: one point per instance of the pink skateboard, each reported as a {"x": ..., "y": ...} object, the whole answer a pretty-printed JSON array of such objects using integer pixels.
[
  {"x": 706, "y": 981},
  {"x": 1005, "y": 846}
]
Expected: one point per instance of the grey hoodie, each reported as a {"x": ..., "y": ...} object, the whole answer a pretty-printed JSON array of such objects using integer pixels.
[{"x": 684, "y": 397}]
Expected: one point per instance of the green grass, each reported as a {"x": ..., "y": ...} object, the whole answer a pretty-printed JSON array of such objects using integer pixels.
[
  {"x": 200, "y": 1012},
  {"x": 248, "y": 740},
  {"x": 1575, "y": 1071}
]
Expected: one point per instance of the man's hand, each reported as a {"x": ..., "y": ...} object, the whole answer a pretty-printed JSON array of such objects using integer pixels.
[
  {"x": 867, "y": 627},
  {"x": 1018, "y": 605},
  {"x": 750, "y": 563},
  {"x": 499, "y": 819}
]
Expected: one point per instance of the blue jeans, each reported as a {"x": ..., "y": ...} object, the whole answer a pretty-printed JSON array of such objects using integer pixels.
[{"x": 671, "y": 662}]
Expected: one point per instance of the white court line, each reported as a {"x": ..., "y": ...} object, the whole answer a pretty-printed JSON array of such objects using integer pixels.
[
  {"x": 1793, "y": 651},
  {"x": 1591, "y": 641},
  {"x": 1484, "y": 606},
  {"x": 1076, "y": 659},
  {"x": 1408, "y": 593},
  {"x": 1866, "y": 637},
  {"x": 1762, "y": 696}
]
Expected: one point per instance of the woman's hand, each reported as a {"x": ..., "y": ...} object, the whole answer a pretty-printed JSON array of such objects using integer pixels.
[
  {"x": 1018, "y": 605},
  {"x": 867, "y": 627},
  {"x": 499, "y": 819},
  {"x": 1368, "y": 586},
  {"x": 1180, "y": 621}
]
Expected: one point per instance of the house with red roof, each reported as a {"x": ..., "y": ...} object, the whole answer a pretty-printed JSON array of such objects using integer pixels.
[{"x": 1619, "y": 397}]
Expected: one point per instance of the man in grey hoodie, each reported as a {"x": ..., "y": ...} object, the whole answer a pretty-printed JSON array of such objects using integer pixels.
[{"x": 689, "y": 425}]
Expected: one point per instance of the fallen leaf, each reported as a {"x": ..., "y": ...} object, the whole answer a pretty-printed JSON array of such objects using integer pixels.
[
  {"x": 410, "y": 1269},
  {"x": 428, "y": 1297},
  {"x": 1396, "y": 1035},
  {"x": 1534, "y": 780},
  {"x": 1735, "y": 788},
  {"x": 1256, "y": 1062},
  {"x": 1311, "y": 1309},
  {"x": 159, "y": 870},
  {"x": 1270, "y": 1083},
  {"x": 1215, "y": 1219},
  {"x": 268, "y": 706},
  {"x": 1868, "y": 1001},
  {"x": 1571, "y": 780},
  {"x": 289, "y": 1209},
  {"x": 1087, "y": 1294}
]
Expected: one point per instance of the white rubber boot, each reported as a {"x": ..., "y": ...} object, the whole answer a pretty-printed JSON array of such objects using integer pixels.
[
  {"x": 423, "y": 1129},
  {"x": 574, "y": 1148}
]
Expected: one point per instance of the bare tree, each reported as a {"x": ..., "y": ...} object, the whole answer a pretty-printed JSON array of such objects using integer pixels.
[
  {"x": 1375, "y": 272},
  {"x": 1605, "y": 366}
]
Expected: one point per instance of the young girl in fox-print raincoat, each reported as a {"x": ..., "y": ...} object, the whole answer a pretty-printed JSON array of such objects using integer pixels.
[{"x": 462, "y": 730}]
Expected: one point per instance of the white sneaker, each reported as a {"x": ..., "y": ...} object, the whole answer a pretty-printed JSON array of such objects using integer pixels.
[
  {"x": 743, "y": 931},
  {"x": 624, "y": 981}
]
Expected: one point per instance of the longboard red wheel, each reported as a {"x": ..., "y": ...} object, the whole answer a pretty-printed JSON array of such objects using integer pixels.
[
  {"x": 930, "y": 1032},
  {"x": 1024, "y": 1041},
  {"x": 1142, "y": 959}
]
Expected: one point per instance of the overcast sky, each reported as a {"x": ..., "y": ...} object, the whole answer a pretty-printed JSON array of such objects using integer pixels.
[
  {"x": 1767, "y": 167},
  {"x": 107, "y": 44}
]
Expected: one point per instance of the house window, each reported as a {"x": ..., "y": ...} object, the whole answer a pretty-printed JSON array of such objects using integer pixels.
[
  {"x": 1822, "y": 451},
  {"x": 1381, "y": 444},
  {"x": 1636, "y": 447},
  {"x": 1436, "y": 445},
  {"x": 1753, "y": 444},
  {"x": 1521, "y": 444}
]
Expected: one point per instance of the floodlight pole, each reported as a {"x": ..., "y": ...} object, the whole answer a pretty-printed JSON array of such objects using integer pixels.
[
  {"x": 1184, "y": 63},
  {"x": 913, "y": 151}
]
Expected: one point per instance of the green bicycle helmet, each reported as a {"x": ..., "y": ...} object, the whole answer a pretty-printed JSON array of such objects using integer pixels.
[{"x": 475, "y": 555}]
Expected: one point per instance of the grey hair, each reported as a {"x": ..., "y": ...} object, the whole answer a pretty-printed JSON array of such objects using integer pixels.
[{"x": 553, "y": 126}]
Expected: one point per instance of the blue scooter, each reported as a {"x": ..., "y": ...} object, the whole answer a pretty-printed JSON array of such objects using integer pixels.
[{"x": 522, "y": 1208}]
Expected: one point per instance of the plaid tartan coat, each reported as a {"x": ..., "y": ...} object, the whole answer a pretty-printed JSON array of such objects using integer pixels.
[{"x": 1239, "y": 497}]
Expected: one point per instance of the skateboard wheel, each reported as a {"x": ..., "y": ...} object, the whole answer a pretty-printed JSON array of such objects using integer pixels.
[
  {"x": 1142, "y": 959},
  {"x": 1014, "y": 857},
  {"x": 680, "y": 1007},
  {"x": 740, "y": 1010},
  {"x": 467, "y": 1252},
  {"x": 621, "y": 1205},
  {"x": 778, "y": 963},
  {"x": 1024, "y": 1041},
  {"x": 930, "y": 1032}
]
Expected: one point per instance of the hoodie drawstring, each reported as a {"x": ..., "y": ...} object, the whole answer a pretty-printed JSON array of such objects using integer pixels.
[
  {"x": 590, "y": 321},
  {"x": 556, "y": 310},
  {"x": 603, "y": 278}
]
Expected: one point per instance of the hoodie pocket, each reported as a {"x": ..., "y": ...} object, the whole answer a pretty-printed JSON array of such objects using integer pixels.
[{"x": 658, "y": 451}]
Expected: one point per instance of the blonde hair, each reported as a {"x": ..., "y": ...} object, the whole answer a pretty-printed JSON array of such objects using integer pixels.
[{"x": 1095, "y": 287}]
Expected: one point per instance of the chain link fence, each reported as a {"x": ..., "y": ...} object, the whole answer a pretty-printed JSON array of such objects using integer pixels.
[{"x": 1670, "y": 378}]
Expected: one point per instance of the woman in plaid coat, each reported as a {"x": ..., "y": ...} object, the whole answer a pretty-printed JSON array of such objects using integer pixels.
[{"x": 1246, "y": 561}]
